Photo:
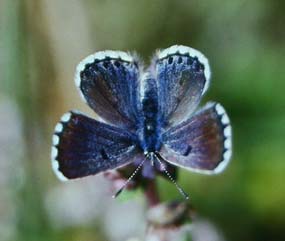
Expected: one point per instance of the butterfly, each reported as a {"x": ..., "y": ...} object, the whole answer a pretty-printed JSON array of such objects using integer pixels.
[{"x": 145, "y": 116}]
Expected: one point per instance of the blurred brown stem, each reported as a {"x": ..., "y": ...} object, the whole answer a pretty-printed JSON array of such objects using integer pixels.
[{"x": 151, "y": 193}]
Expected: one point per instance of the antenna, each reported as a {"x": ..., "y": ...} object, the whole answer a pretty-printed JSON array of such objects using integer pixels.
[
  {"x": 129, "y": 179},
  {"x": 182, "y": 192}
]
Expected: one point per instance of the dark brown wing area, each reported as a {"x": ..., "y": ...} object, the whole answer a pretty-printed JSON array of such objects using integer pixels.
[
  {"x": 83, "y": 146},
  {"x": 202, "y": 143}
]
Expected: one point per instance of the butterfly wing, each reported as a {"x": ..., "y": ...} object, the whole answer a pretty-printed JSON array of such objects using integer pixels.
[
  {"x": 183, "y": 75},
  {"x": 202, "y": 143},
  {"x": 83, "y": 146},
  {"x": 109, "y": 82}
]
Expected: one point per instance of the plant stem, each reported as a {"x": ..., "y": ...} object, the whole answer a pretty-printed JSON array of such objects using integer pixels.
[{"x": 151, "y": 193}]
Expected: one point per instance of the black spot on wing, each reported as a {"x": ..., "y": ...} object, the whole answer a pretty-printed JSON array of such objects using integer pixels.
[{"x": 104, "y": 154}]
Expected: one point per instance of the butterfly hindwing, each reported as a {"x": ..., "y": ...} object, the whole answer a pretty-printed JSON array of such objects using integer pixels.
[
  {"x": 109, "y": 82},
  {"x": 183, "y": 76},
  {"x": 83, "y": 146},
  {"x": 202, "y": 143}
]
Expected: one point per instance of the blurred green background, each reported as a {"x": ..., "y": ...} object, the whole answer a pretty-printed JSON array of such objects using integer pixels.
[{"x": 41, "y": 41}]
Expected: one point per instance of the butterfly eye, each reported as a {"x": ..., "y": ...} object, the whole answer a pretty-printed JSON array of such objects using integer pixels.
[{"x": 170, "y": 60}]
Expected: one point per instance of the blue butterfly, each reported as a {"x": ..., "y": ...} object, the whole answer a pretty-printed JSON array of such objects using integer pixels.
[{"x": 146, "y": 117}]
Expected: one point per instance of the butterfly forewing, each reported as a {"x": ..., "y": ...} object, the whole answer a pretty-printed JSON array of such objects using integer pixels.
[
  {"x": 182, "y": 75},
  {"x": 109, "y": 82},
  {"x": 83, "y": 146},
  {"x": 202, "y": 143}
]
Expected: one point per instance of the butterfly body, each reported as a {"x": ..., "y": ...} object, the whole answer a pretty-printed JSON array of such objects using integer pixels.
[
  {"x": 150, "y": 139},
  {"x": 147, "y": 118}
]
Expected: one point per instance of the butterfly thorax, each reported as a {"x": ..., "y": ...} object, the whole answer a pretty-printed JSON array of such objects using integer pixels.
[{"x": 150, "y": 126}]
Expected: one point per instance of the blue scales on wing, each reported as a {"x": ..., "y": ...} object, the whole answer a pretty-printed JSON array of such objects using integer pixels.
[
  {"x": 109, "y": 83},
  {"x": 182, "y": 75},
  {"x": 83, "y": 146}
]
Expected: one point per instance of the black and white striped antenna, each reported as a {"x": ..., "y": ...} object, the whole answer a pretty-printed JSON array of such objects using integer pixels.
[
  {"x": 129, "y": 179},
  {"x": 182, "y": 192}
]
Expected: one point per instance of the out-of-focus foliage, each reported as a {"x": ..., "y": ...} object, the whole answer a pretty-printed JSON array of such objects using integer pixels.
[{"x": 41, "y": 41}]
